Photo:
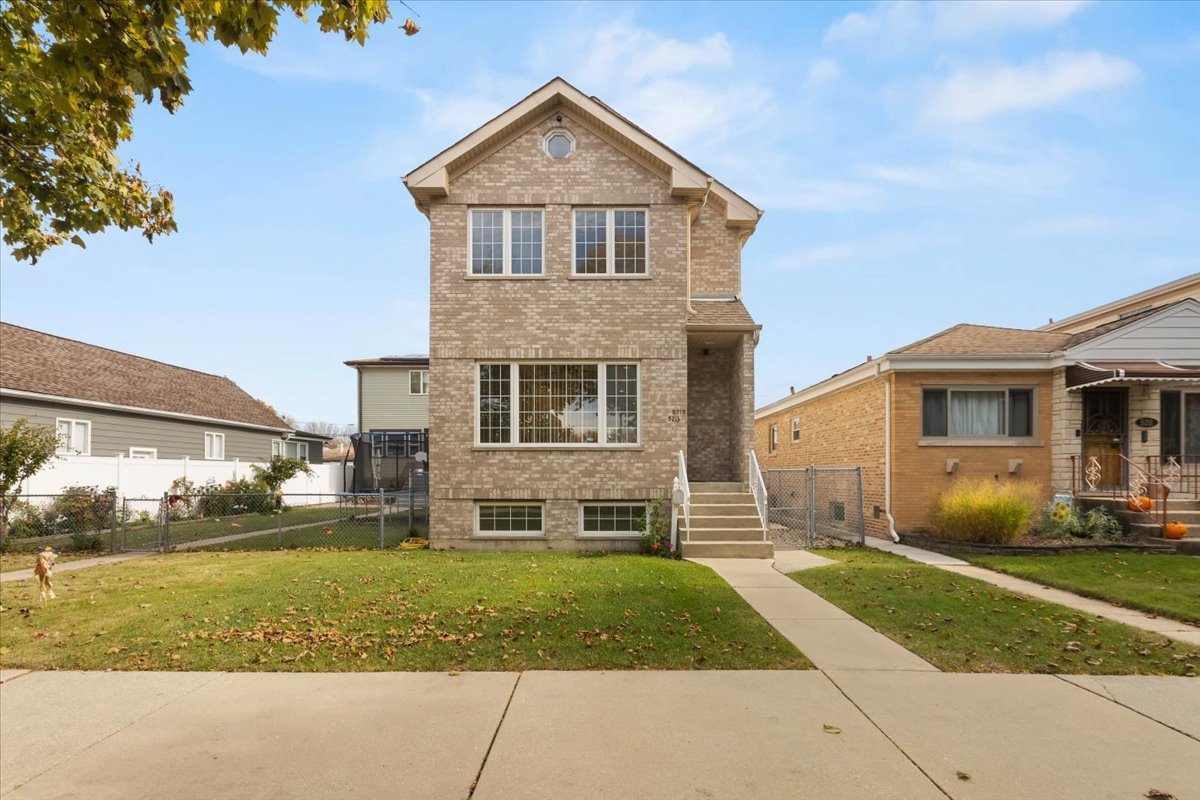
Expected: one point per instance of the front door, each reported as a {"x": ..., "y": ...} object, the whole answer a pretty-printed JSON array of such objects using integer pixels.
[{"x": 1105, "y": 430}]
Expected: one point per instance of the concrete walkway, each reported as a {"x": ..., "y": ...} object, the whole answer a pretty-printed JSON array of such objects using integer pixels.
[
  {"x": 831, "y": 638},
  {"x": 83, "y": 563},
  {"x": 1173, "y": 629},
  {"x": 841, "y": 734}
]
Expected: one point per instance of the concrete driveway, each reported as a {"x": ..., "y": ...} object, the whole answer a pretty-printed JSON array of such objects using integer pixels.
[{"x": 582, "y": 735}]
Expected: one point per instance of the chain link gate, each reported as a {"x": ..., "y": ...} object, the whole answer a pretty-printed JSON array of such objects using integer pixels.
[{"x": 804, "y": 503}]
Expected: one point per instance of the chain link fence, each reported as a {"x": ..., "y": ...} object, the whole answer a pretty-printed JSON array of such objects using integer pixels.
[
  {"x": 805, "y": 504},
  {"x": 86, "y": 521}
]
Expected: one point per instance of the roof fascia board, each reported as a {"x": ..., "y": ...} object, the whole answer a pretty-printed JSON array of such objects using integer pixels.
[
  {"x": 1006, "y": 362},
  {"x": 851, "y": 377},
  {"x": 152, "y": 412},
  {"x": 1148, "y": 294},
  {"x": 1169, "y": 311}
]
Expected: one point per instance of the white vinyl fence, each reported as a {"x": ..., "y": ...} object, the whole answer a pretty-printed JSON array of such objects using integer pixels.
[{"x": 150, "y": 477}]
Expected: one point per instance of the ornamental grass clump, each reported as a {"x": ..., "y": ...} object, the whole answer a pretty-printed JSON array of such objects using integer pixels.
[{"x": 985, "y": 511}]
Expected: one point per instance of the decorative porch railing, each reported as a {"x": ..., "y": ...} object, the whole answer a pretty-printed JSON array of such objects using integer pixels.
[
  {"x": 1113, "y": 475},
  {"x": 758, "y": 489},
  {"x": 1181, "y": 473}
]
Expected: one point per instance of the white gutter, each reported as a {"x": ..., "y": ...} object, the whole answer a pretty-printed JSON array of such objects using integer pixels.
[
  {"x": 152, "y": 412},
  {"x": 887, "y": 458}
]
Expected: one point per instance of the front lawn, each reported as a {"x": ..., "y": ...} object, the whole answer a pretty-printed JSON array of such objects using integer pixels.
[
  {"x": 960, "y": 624},
  {"x": 388, "y": 610},
  {"x": 1158, "y": 583}
]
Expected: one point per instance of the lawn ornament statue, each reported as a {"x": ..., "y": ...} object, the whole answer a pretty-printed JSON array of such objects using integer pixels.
[{"x": 43, "y": 571}]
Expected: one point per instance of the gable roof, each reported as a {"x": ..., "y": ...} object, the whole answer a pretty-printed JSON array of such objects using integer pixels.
[
  {"x": 41, "y": 363},
  {"x": 1158, "y": 296},
  {"x": 432, "y": 179},
  {"x": 966, "y": 339},
  {"x": 720, "y": 315}
]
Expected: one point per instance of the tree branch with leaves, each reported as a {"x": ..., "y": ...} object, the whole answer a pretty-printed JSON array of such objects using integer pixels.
[{"x": 71, "y": 75}]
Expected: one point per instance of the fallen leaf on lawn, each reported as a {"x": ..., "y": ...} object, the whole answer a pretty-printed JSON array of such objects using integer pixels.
[
  {"x": 1159, "y": 794},
  {"x": 964, "y": 776},
  {"x": 831, "y": 729}
]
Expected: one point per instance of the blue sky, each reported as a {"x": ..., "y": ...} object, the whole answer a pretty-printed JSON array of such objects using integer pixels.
[{"x": 920, "y": 165}]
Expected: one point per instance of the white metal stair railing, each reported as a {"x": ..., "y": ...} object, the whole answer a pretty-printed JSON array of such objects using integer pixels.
[
  {"x": 681, "y": 497},
  {"x": 758, "y": 489}
]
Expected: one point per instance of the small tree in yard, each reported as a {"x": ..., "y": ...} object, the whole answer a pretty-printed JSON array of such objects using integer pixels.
[
  {"x": 279, "y": 471},
  {"x": 24, "y": 449}
]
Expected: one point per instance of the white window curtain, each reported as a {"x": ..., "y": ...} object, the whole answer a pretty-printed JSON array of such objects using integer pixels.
[{"x": 977, "y": 413}]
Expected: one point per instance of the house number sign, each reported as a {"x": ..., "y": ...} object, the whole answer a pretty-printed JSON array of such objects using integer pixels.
[
  {"x": 676, "y": 415},
  {"x": 1145, "y": 422}
]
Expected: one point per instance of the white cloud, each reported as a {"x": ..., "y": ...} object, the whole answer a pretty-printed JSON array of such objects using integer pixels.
[
  {"x": 1069, "y": 225},
  {"x": 1017, "y": 175},
  {"x": 971, "y": 95},
  {"x": 962, "y": 19},
  {"x": 896, "y": 25},
  {"x": 622, "y": 51},
  {"x": 822, "y": 71},
  {"x": 823, "y": 195}
]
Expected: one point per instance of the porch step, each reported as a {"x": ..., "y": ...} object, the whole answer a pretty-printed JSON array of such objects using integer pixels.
[
  {"x": 717, "y": 486},
  {"x": 741, "y": 522},
  {"x": 723, "y": 535},
  {"x": 757, "y": 549},
  {"x": 1121, "y": 504},
  {"x": 722, "y": 498},
  {"x": 732, "y": 508}
]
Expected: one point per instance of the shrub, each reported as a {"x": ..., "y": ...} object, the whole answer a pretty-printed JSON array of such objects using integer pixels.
[
  {"x": 985, "y": 511},
  {"x": 656, "y": 532},
  {"x": 1061, "y": 521}
]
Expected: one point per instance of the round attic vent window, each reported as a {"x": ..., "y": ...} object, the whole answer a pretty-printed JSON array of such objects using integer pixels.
[{"x": 559, "y": 144}]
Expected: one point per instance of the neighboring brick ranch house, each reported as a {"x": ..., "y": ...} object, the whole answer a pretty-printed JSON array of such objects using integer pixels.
[
  {"x": 586, "y": 328},
  {"x": 1117, "y": 388}
]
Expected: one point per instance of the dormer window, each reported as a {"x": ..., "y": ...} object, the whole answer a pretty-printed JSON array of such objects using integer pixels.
[{"x": 558, "y": 144}]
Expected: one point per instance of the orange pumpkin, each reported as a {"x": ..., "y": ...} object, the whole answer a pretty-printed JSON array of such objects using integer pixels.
[
  {"x": 1140, "y": 503},
  {"x": 1175, "y": 530}
]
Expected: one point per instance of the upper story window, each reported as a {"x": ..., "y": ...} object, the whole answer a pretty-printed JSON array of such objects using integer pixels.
[
  {"x": 74, "y": 437},
  {"x": 214, "y": 446},
  {"x": 418, "y": 381},
  {"x": 772, "y": 438},
  {"x": 795, "y": 429},
  {"x": 977, "y": 412},
  {"x": 610, "y": 241},
  {"x": 506, "y": 241},
  {"x": 558, "y": 144}
]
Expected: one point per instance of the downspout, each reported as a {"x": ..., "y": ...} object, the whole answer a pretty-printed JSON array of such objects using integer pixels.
[
  {"x": 887, "y": 458},
  {"x": 693, "y": 213}
]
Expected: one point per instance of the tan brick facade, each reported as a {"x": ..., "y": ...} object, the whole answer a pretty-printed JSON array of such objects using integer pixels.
[
  {"x": 919, "y": 470},
  {"x": 841, "y": 429},
  {"x": 558, "y": 317}
]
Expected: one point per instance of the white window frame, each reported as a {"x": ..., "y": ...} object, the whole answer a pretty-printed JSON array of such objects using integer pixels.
[
  {"x": 987, "y": 439},
  {"x": 141, "y": 452},
  {"x": 609, "y": 534},
  {"x": 506, "y": 245},
  {"x": 424, "y": 381},
  {"x": 514, "y": 415},
  {"x": 795, "y": 429},
  {"x": 609, "y": 246},
  {"x": 66, "y": 448},
  {"x": 773, "y": 437},
  {"x": 216, "y": 437},
  {"x": 279, "y": 448},
  {"x": 546, "y": 143},
  {"x": 540, "y": 534}
]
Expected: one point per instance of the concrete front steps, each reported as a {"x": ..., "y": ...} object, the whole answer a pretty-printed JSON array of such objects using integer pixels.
[
  {"x": 724, "y": 524},
  {"x": 1179, "y": 509}
]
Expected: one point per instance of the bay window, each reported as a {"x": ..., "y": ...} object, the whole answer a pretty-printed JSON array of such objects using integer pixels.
[
  {"x": 977, "y": 412},
  {"x": 581, "y": 405},
  {"x": 506, "y": 241}
]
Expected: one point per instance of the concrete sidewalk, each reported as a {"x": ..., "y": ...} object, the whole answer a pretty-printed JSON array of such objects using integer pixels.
[
  {"x": 590, "y": 735},
  {"x": 1164, "y": 626},
  {"x": 68, "y": 566}
]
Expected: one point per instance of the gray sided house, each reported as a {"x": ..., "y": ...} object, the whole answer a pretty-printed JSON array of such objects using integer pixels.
[
  {"x": 393, "y": 420},
  {"x": 107, "y": 403}
]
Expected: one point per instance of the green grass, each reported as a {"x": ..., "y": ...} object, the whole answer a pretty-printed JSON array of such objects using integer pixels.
[
  {"x": 960, "y": 624},
  {"x": 1155, "y": 582},
  {"x": 389, "y": 610}
]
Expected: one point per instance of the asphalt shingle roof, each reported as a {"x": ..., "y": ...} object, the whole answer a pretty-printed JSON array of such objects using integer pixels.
[
  {"x": 33, "y": 361},
  {"x": 720, "y": 313},
  {"x": 965, "y": 339}
]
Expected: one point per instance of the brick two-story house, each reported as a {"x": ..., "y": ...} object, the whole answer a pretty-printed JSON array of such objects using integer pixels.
[{"x": 586, "y": 328}]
